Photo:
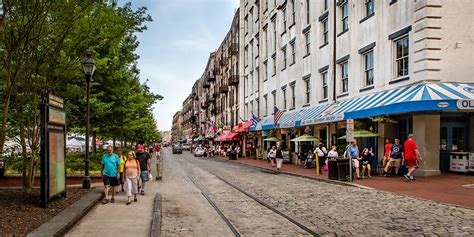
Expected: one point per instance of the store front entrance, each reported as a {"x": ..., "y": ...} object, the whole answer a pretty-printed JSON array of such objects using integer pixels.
[{"x": 453, "y": 137}]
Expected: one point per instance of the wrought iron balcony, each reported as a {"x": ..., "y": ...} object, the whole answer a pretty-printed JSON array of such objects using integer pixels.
[
  {"x": 206, "y": 85},
  {"x": 234, "y": 80},
  {"x": 234, "y": 49},
  {"x": 223, "y": 89}
]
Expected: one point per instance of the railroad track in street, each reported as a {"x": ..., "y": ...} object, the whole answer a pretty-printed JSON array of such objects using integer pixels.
[{"x": 260, "y": 202}]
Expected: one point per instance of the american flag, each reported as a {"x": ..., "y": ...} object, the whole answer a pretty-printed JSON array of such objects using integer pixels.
[
  {"x": 255, "y": 120},
  {"x": 276, "y": 116}
]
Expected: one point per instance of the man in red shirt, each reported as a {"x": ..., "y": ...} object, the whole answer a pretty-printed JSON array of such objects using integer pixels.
[
  {"x": 412, "y": 157},
  {"x": 386, "y": 158}
]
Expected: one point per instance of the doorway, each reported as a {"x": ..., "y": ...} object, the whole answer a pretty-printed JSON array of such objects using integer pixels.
[{"x": 452, "y": 138}]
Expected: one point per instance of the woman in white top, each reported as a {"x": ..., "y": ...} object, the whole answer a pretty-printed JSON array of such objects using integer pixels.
[
  {"x": 332, "y": 154},
  {"x": 272, "y": 155}
]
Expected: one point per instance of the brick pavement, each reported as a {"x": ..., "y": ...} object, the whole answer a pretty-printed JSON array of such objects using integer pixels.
[
  {"x": 345, "y": 210},
  {"x": 446, "y": 188}
]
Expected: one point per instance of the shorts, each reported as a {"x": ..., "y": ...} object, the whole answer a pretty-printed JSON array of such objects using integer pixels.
[
  {"x": 395, "y": 162},
  {"x": 365, "y": 164},
  {"x": 355, "y": 163},
  {"x": 411, "y": 163},
  {"x": 144, "y": 176},
  {"x": 110, "y": 181}
]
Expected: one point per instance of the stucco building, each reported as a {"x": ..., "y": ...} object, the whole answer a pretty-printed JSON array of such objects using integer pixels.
[{"x": 396, "y": 67}]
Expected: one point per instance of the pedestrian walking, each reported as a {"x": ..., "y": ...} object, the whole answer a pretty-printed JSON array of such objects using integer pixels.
[
  {"x": 272, "y": 155},
  {"x": 397, "y": 155},
  {"x": 123, "y": 159},
  {"x": 412, "y": 157},
  {"x": 353, "y": 152},
  {"x": 132, "y": 169},
  {"x": 322, "y": 153},
  {"x": 279, "y": 158},
  {"x": 386, "y": 156},
  {"x": 110, "y": 166},
  {"x": 145, "y": 167}
]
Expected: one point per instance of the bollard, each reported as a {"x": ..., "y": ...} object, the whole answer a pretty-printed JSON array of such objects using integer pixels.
[
  {"x": 317, "y": 164},
  {"x": 158, "y": 175}
]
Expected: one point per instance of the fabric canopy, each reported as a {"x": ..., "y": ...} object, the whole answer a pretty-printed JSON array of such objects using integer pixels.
[
  {"x": 305, "y": 138},
  {"x": 228, "y": 136},
  {"x": 272, "y": 139},
  {"x": 242, "y": 126},
  {"x": 361, "y": 133}
]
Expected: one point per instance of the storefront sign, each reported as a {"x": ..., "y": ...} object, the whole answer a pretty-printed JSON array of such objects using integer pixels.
[
  {"x": 465, "y": 104},
  {"x": 287, "y": 125},
  {"x": 325, "y": 119}
]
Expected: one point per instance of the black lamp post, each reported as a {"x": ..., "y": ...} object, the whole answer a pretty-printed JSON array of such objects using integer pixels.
[{"x": 89, "y": 68}]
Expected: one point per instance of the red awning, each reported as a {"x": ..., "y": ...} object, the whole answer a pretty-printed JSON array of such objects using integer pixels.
[
  {"x": 228, "y": 136},
  {"x": 243, "y": 126}
]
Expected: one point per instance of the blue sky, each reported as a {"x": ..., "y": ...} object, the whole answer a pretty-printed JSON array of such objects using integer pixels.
[{"x": 175, "y": 48}]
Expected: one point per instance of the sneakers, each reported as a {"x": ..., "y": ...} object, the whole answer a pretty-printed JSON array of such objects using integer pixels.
[
  {"x": 407, "y": 178},
  {"x": 112, "y": 200},
  {"x": 105, "y": 201},
  {"x": 412, "y": 178}
]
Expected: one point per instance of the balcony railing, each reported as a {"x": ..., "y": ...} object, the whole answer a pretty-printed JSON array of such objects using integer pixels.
[
  {"x": 206, "y": 85},
  {"x": 234, "y": 80},
  {"x": 211, "y": 77},
  {"x": 223, "y": 89},
  {"x": 224, "y": 61},
  {"x": 234, "y": 49}
]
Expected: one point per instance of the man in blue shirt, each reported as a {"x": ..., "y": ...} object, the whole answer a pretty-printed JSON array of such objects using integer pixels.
[
  {"x": 110, "y": 166},
  {"x": 354, "y": 153}
]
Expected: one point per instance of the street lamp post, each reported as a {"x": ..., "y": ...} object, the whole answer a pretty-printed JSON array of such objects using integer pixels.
[{"x": 89, "y": 68}]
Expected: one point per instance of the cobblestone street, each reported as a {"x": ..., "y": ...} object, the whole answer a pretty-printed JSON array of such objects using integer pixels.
[{"x": 324, "y": 208}]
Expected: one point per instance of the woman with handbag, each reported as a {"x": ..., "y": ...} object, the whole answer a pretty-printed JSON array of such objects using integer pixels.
[{"x": 132, "y": 169}]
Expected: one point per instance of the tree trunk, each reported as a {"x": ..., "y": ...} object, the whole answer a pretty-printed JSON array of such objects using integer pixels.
[
  {"x": 94, "y": 148},
  {"x": 3, "y": 128}
]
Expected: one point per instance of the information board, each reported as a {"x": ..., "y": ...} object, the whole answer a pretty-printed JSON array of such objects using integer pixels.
[{"x": 57, "y": 179}]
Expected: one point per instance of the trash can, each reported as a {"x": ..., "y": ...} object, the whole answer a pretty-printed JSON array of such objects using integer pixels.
[
  {"x": 2, "y": 168},
  {"x": 342, "y": 169},
  {"x": 332, "y": 169}
]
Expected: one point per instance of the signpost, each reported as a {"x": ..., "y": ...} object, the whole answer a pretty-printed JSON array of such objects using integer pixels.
[
  {"x": 53, "y": 150},
  {"x": 349, "y": 139}
]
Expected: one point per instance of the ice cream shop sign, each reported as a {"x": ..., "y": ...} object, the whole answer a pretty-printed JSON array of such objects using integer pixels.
[{"x": 465, "y": 104}]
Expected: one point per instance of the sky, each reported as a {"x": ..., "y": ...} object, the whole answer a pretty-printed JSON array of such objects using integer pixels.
[{"x": 175, "y": 48}]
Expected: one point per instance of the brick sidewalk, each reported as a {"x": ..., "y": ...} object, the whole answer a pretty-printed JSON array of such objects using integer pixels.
[{"x": 446, "y": 188}]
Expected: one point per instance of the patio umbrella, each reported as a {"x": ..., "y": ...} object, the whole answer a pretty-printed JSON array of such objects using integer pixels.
[
  {"x": 272, "y": 139},
  {"x": 305, "y": 138},
  {"x": 361, "y": 133}
]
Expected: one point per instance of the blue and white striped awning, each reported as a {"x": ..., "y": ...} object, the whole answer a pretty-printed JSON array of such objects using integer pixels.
[
  {"x": 413, "y": 98},
  {"x": 426, "y": 96}
]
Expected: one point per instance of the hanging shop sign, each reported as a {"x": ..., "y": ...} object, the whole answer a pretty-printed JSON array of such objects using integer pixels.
[
  {"x": 53, "y": 150},
  {"x": 350, "y": 130}
]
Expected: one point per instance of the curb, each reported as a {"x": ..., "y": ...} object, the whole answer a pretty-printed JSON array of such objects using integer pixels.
[
  {"x": 156, "y": 221},
  {"x": 303, "y": 176},
  {"x": 65, "y": 220}
]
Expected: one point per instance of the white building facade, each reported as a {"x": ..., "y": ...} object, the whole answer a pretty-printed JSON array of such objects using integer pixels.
[{"x": 322, "y": 62}]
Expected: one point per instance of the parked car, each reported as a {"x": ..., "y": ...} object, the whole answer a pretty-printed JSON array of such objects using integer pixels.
[
  {"x": 177, "y": 149},
  {"x": 186, "y": 147},
  {"x": 199, "y": 151}
]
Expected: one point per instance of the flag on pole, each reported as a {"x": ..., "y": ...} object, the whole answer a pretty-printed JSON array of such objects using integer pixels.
[
  {"x": 255, "y": 120},
  {"x": 276, "y": 116},
  {"x": 241, "y": 119}
]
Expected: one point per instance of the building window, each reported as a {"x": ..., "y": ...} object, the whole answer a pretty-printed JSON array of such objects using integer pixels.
[
  {"x": 284, "y": 18},
  {"x": 325, "y": 30},
  {"x": 274, "y": 33},
  {"x": 265, "y": 35},
  {"x": 369, "y": 68},
  {"x": 257, "y": 73},
  {"x": 257, "y": 101},
  {"x": 307, "y": 42},
  {"x": 283, "y": 51},
  {"x": 345, "y": 16},
  {"x": 345, "y": 76},
  {"x": 293, "y": 96},
  {"x": 265, "y": 99},
  {"x": 246, "y": 24},
  {"x": 293, "y": 12},
  {"x": 251, "y": 106},
  {"x": 402, "y": 47},
  {"x": 284, "y": 98},
  {"x": 369, "y": 7},
  {"x": 266, "y": 5},
  {"x": 265, "y": 68},
  {"x": 246, "y": 54},
  {"x": 274, "y": 98},
  {"x": 307, "y": 12},
  {"x": 274, "y": 65},
  {"x": 308, "y": 90},
  {"x": 324, "y": 77},
  {"x": 325, "y": 4},
  {"x": 293, "y": 54},
  {"x": 246, "y": 108}
]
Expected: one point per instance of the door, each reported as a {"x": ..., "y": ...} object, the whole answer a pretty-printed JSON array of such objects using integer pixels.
[{"x": 452, "y": 138}]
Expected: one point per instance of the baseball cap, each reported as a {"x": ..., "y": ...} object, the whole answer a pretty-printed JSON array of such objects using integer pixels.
[{"x": 140, "y": 148}]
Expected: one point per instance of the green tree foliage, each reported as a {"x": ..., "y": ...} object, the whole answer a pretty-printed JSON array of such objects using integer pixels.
[{"x": 43, "y": 45}]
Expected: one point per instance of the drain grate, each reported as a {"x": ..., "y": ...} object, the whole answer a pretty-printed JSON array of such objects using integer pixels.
[{"x": 468, "y": 185}]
